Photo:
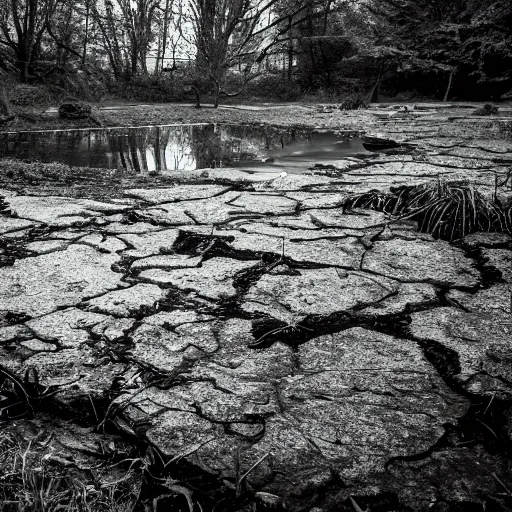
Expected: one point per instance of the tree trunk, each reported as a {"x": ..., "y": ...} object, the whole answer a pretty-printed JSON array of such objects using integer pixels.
[
  {"x": 86, "y": 34},
  {"x": 5, "y": 110},
  {"x": 448, "y": 88},
  {"x": 374, "y": 93},
  {"x": 216, "y": 97}
]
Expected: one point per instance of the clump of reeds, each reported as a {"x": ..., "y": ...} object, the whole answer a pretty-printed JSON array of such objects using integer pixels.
[{"x": 447, "y": 210}]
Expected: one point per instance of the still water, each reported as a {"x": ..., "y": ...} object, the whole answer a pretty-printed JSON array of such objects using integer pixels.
[{"x": 182, "y": 147}]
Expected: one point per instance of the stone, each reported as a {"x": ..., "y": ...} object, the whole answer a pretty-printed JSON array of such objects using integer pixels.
[
  {"x": 147, "y": 244},
  {"x": 11, "y": 224},
  {"x": 314, "y": 292},
  {"x": 39, "y": 285},
  {"x": 166, "y": 262},
  {"x": 418, "y": 260},
  {"x": 67, "y": 328},
  {"x": 213, "y": 280},
  {"x": 76, "y": 110},
  {"x": 128, "y": 301},
  {"x": 176, "y": 193},
  {"x": 478, "y": 343}
]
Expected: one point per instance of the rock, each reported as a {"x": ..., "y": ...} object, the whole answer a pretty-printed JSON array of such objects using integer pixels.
[
  {"x": 176, "y": 193},
  {"x": 418, "y": 260},
  {"x": 166, "y": 262},
  {"x": 146, "y": 244},
  {"x": 37, "y": 286},
  {"x": 76, "y": 110},
  {"x": 315, "y": 292},
  {"x": 213, "y": 280},
  {"x": 486, "y": 110},
  {"x": 129, "y": 301},
  {"x": 478, "y": 344}
]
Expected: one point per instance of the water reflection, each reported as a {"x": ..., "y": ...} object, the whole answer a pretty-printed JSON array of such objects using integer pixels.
[{"x": 177, "y": 147}]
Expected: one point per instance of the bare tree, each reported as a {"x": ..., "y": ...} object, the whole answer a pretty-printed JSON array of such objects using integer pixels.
[
  {"x": 22, "y": 27},
  {"x": 138, "y": 19},
  {"x": 227, "y": 32}
]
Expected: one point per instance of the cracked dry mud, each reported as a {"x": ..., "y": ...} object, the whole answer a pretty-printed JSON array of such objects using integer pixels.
[{"x": 265, "y": 320}]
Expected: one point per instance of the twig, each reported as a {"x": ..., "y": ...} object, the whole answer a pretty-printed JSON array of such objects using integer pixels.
[{"x": 502, "y": 484}]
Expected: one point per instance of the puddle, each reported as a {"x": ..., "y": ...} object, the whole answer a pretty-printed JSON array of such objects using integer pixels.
[{"x": 184, "y": 147}]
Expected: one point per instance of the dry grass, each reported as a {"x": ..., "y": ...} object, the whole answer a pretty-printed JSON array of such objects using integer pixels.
[
  {"x": 36, "y": 477},
  {"x": 447, "y": 210}
]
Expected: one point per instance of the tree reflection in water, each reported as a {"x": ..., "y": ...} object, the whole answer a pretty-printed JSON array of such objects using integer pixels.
[{"x": 177, "y": 147}]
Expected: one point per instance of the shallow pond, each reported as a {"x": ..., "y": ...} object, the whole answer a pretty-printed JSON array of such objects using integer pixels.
[{"x": 183, "y": 147}]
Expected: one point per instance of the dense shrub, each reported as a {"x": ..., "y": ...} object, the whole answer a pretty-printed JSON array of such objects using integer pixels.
[{"x": 273, "y": 86}]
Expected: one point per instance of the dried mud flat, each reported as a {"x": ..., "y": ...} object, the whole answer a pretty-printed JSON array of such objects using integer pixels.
[{"x": 333, "y": 353}]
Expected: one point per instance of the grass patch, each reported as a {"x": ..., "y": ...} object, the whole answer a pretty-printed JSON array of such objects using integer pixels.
[
  {"x": 447, "y": 210},
  {"x": 36, "y": 476}
]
